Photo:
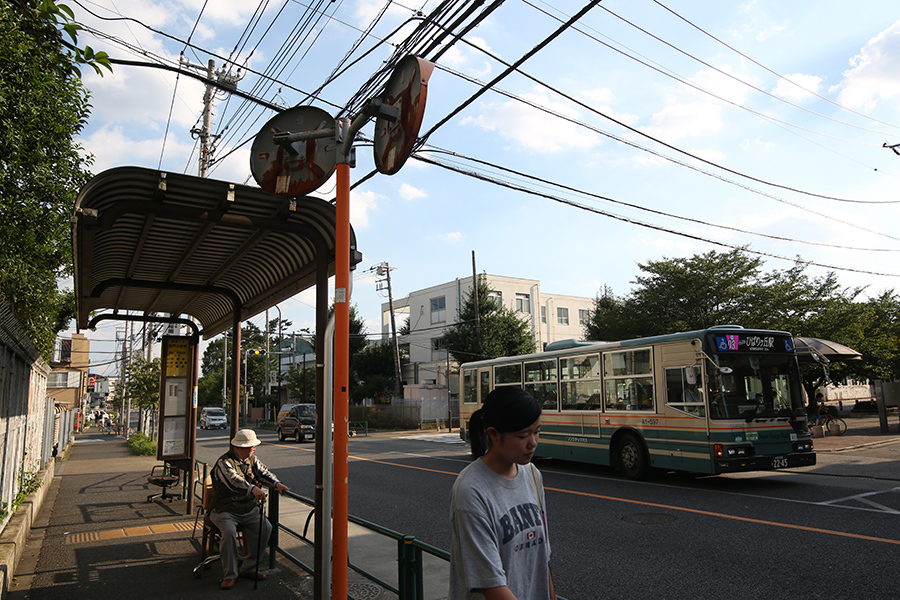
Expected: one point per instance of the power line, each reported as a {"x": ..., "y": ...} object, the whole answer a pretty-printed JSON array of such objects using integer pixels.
[
  {"x": 762, "y": 66},
  {"x": 636, "y": 131},
  {"x": 604, "y": 213},
  {"x": 646, "y": 209}
]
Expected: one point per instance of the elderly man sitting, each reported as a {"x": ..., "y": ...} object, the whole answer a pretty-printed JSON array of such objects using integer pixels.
[{"x": 237, "y": 479}]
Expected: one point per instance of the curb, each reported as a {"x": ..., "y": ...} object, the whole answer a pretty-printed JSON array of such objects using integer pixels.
[{"x": 18, "y": 528}]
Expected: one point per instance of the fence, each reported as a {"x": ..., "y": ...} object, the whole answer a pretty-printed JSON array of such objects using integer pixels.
[
  {"x": 32, "y": 428},
  {"x": 406, "y": 412}
]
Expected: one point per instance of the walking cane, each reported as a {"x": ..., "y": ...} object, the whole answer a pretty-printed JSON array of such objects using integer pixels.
[{"x": 258, "y": 545}]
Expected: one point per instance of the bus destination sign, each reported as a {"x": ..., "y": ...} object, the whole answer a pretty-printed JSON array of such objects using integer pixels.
[{"x": 748, "y": 342}]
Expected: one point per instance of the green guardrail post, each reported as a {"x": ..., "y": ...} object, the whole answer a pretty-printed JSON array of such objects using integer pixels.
[
  {"x": 406, "y": 574},
  {"x": 273, "y": 519},
  {"x": 417, "y": 566}
]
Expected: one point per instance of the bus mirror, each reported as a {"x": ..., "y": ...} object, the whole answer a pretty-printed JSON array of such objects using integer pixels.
[
  {"x": 726, "y": 370},
  {"x": 690, "y": 375}
]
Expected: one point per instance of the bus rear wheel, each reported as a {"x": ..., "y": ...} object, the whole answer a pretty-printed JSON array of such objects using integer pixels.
[{"x": 632, "y": 457}]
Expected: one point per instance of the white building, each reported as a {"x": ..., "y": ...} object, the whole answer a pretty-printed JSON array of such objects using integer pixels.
[{"x": 430, "y": 311}]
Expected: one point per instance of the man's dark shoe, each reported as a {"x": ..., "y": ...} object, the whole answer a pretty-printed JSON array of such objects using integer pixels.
[
  {"x": 227, "y": 584},
  {"x": 254, "y": 575}
]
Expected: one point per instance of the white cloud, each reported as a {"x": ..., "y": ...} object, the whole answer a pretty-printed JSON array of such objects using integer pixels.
[
  {"x": 724, "y": 83},
  {"x": 533, "y": 128},
  {"x": 463, "y": 57},
  {"x": 454, "y": 236},
  {"x": 408, "y": 192},
  {"x": 678, "y": 121},
  {"x": 361, "y": 203},
  {"x": 874, "y": 72},
  {"x": 111, "y": 147},
  {"x": 797, "y": 87}
]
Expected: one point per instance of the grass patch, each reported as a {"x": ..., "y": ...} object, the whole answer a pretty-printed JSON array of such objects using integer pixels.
[{"x": 142, "y": 445}]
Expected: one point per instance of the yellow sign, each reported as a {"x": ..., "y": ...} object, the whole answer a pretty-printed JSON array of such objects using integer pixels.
[{"x": 177, "y": 356}]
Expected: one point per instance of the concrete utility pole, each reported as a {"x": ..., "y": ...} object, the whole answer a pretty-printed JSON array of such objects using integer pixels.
[
  {"x": 475, "y": 296},
  {"x": 207, "y": 118},
  {"x": 203, "y": 134},
  {"x": 385, "y": 270}
]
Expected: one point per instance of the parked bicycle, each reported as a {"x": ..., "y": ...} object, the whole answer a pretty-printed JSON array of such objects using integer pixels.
[{"x": 829, "y": 416}]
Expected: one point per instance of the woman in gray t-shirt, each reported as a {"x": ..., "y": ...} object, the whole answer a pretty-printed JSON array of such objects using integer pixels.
[{"x": 500, "y": 548}]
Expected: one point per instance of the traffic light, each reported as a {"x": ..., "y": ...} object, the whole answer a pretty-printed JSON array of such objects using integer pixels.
[{"x": 262, "y": 352}]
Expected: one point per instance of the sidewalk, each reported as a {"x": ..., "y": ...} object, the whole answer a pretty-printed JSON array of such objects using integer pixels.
[
  {"x": 862, "y": 431},
  {"x": 96, "y": 536}
]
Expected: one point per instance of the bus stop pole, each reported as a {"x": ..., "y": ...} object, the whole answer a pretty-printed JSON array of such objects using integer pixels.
[{"x": 341, "y": 377}]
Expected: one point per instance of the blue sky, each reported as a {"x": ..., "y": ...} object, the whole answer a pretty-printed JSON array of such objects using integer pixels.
[{"x": 801, "y": 95}]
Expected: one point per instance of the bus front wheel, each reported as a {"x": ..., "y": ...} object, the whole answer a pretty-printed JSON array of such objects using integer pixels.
[{"x": 632, "y": 457}]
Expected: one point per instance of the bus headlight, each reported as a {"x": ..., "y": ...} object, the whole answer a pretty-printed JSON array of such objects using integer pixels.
[
  {"x": 803, "y": 446},
  {"x": 721, "y": 451}
]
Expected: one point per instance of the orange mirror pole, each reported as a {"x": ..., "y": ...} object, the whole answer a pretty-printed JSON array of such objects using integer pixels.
[{"x": 341, "y": 382}]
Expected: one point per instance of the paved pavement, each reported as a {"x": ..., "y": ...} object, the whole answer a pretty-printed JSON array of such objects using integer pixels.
[{"x": 96, "y": 535}]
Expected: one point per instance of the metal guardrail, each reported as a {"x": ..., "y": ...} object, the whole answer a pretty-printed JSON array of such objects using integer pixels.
[
  {"x": 410, "y": 551},
  {"x": 410, "y": 581}
]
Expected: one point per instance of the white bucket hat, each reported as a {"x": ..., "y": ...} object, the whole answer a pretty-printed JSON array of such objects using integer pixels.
[{"x": 245, "y": 438}]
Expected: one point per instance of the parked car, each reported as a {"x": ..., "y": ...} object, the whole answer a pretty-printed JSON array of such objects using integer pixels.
[
  {"x": 297, "y": 421},
  {"x": 212, "y": 417}
]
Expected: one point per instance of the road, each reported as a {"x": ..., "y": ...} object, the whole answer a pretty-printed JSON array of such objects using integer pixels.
[{"x": 799, "y": 533}]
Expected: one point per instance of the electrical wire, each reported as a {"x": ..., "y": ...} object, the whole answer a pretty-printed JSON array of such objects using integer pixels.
[
  {"x": 604, "y": 213},
  {"x": 434, "y": 149},
  {"x": 762, "y": 66}
]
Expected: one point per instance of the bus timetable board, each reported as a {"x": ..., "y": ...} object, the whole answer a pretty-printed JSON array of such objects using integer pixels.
[{"x": 178, "y": 399}]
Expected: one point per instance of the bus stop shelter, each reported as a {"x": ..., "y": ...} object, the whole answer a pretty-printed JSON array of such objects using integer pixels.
[{"x": 200, "y": 251}]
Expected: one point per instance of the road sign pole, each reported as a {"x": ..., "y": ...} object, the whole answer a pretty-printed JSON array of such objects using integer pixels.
[{"x": 341, "y": 382}]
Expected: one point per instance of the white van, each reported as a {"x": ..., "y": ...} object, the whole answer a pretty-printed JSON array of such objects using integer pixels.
[{"x": 213, "y": 417}]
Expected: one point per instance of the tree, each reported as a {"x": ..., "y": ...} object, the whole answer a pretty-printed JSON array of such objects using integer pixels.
[
  {"x": 498, "y": 332},
  {"x": 43, "y": 106},
  {"x": 729, "y": 288},
  {"x": 373, "y": 367},
  {"x": 301, "y": 384},
  {"x": 142, "y": 383},
  {"x": 211, "y": 365}
]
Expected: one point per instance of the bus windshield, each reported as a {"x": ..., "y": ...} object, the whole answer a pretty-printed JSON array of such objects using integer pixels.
[{"x": 755, "y": 386}]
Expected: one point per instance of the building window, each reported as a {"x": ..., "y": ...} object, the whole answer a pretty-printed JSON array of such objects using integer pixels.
[
  {"x": 64, "y": 379},
  {"x": 562, "y": 316},
  {"x": 583, "y": 316},
  {"x": 523, "y": 303},
  {"x": 438, "y": 310},
  {"x": 438, "y": 349},
  {"x": 543, "y": 314},
  {"x": 496, "y": 297}
]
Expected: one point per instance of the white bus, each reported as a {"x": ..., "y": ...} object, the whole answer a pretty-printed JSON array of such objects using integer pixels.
[{"x": 719, "y": 400}]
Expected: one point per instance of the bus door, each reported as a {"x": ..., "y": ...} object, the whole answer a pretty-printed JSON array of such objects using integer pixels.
[
  {"x": 485, "y": 384},
  {"x": 687, "y": 426}
]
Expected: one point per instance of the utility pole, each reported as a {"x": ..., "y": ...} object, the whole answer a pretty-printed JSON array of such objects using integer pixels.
[
  {"x": 203, "y": 134},
  {"x": 225, "y": 370},
  {"x": 207, "y": 118},
  {"x": 384, "y": 269},
  {"x": 475, "y": 295}
]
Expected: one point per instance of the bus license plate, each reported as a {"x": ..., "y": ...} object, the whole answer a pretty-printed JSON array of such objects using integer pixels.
[{"x": 779, "y": 462}]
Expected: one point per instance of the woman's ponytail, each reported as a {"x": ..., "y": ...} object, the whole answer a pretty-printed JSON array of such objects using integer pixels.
[{"x": 477, "y": 434}]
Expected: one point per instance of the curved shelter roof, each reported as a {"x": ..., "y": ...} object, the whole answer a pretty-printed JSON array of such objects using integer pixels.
[{"x": 157, "y": 242}]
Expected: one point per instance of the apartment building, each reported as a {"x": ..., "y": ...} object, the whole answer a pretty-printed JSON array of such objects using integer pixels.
[{"x": 431, "y": 310}]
